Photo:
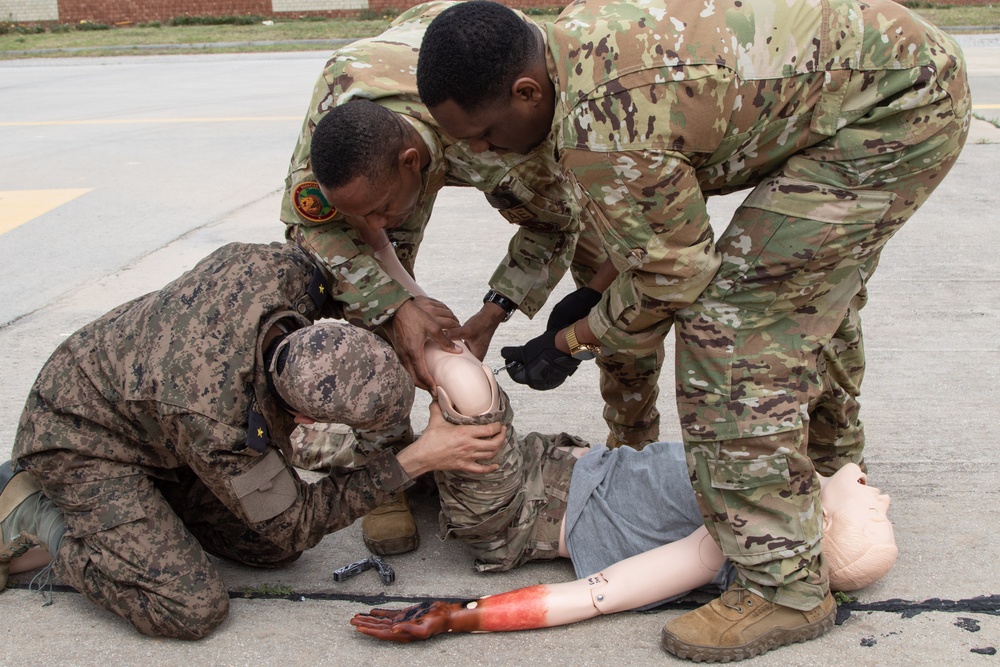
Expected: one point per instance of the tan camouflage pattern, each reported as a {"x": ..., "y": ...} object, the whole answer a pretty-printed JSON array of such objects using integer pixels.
[
  {"x": 137, "y": 427},
  {"x": 365, "y": 385},
  {"x": 529, "y": 191},
  {"x": 843, "y": 116},
  {"x": 512, "y": 515}
]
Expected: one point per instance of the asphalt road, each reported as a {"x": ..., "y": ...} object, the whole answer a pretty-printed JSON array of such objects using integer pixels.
[{"x": 146, "y": 164}]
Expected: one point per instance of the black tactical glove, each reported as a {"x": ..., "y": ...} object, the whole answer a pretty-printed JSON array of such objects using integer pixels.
[
  {"x": 572, "y": 308},
  {"x": 540, "y": 364}
]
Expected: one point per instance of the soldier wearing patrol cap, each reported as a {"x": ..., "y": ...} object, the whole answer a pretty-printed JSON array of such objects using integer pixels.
[
  {"x": 378, "y": 74},
  {"x": 842, "y": 116},
  {"x": 159, "y": 433}
]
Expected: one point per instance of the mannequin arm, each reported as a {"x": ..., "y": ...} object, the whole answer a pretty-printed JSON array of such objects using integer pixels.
[
  {"x": 660, "y": 573},
  {"x": 464, "y": 384}
]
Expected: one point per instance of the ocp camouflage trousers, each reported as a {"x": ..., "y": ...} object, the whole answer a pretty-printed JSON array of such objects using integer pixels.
[
  {"x": 771, "y": 357},
  {"x": 513, "y": 514},
  {"x": 629, "y": 379}
]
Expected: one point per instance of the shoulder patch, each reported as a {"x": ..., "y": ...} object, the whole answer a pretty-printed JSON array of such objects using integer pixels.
[{"x": 310, "y": 203}]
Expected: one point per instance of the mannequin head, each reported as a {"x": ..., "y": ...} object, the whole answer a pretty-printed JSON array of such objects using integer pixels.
[{"x": 858, "y": 542}]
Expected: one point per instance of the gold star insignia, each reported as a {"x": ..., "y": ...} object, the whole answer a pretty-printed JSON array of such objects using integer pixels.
[
  {"x": 260, "y": 433},
  {"x": 322, "y": 289}
]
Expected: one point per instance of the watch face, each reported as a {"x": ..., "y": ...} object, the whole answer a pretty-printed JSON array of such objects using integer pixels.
[{"x": 584, "y": 353}]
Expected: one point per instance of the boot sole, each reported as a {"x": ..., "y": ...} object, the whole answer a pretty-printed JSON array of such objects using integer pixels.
[
  {"x": 773, "y": 639},
  {"x": 394, "y": 546}
]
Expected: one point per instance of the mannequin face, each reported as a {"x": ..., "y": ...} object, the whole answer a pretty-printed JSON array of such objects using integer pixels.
[
  {"x": 383, "y": 205},
  {"x": 847, "y": 493}
]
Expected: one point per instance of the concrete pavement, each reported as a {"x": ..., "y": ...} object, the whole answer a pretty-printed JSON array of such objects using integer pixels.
[{"x": 930, "y": 400}]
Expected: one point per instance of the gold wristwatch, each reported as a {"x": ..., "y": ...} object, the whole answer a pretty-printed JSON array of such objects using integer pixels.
[{"x": 578, "y": 350}]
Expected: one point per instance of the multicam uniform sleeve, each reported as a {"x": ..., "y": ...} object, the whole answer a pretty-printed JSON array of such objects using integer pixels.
[
  {"x": 267, "y": 493},
  {"x": 633, "y": 148},
  {"x": 367, "y": 296},
  {"x": 650, "y": 212},
  {"x": 532, "y": 193}
]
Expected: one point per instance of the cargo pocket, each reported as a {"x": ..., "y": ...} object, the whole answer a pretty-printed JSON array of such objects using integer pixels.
[
  {"x": 755, "y": 493},
  {"x": 94, "y": 507},
  {"x": 265, "y": 490}
]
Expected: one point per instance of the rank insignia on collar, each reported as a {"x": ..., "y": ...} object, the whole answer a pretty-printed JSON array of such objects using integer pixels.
[
  {"x": 310, "y": 203},
  {"x": 256, "y": 432}
]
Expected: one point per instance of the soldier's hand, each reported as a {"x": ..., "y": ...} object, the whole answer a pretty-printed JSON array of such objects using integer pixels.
[
  {"x": 478, "y": 330},
  {"x": 421, "y": 621},
  {"x": 446, "y": 446},
  {"x": 412, "y": 327},
  {"x": 439, "y": 311},
  {"x": 540, "y": 364},
  {"x": 573, "y": 307}
]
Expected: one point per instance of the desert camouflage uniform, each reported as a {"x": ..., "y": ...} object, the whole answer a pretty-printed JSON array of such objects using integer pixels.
[
  {"x": 512, "y": 515},
  {"x": 842, "y": 116},
  {"x": 153, "y": 431},
  {"x": 529, "y": 191}
]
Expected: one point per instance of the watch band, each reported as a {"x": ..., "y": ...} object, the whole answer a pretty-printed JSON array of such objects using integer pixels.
[
  {"x": 499, "y": 299},
  {"x": 578, "y": 350}
]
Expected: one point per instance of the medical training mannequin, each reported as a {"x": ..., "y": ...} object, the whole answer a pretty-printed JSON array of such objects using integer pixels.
[
  {"x": 464, "y": 385},
  {"x": 858, "y": 544}
]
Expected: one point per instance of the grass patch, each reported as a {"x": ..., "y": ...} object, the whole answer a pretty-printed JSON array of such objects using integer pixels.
[
  {"x": 188, "y": 34},
  {"x": 945, "y": 15},
  {"x": 992, "y": 121},
  {"x": 266, "y": 590}
]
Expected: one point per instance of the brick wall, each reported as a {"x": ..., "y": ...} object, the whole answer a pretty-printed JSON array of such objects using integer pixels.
[{"x": 121, "y": 11}]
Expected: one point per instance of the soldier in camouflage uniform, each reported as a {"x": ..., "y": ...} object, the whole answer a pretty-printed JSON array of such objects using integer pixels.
[
  {"x": 160, "y": 432},
  {"x": 529, "y": 191},
  {"x": 842, "y": 116}
]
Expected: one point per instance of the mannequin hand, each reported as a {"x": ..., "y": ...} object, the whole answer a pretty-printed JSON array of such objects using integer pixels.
[
  {"x": 478, "y": 330},
  {"x": 412, "y": 326},
  {"x": 447, "y": 446},
  {"x": 543, "y": 366},
  {"x": 574, "y": 306},
  {"x": 421, "y": 621}
]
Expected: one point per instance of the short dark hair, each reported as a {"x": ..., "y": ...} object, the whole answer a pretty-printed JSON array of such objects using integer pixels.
[
  {"x": 357, "y": 138},
  {"x": 472, "y": 53}
]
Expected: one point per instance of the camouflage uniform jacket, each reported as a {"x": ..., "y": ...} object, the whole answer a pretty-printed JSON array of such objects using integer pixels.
[
  {"x": 664, "y": 102},
  {"x": 175, "y": 380},
  {"x": 529, "y": 191}
]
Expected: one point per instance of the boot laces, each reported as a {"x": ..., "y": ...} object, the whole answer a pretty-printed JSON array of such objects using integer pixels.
[
  {"x": 734, "y": 598},
  {"x": 42, "y": 582}
]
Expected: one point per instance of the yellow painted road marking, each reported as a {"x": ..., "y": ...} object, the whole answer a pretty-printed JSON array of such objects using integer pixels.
[
  {"x": 135, "y": 121},
  {"x": 19, "y": 206}
]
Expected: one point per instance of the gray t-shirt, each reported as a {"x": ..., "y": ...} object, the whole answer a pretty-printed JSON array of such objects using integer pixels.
[{"x": 624, "y": 502}]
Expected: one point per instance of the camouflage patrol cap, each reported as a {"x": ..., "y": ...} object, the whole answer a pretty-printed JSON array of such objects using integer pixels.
[{"x": 338, "y": 373}]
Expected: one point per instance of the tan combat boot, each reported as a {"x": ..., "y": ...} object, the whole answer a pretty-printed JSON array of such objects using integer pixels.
[
  {"x": 741, "y": 624},
  {"x": 16, "y": 486},
  {"x": 390, "y": 529}
]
